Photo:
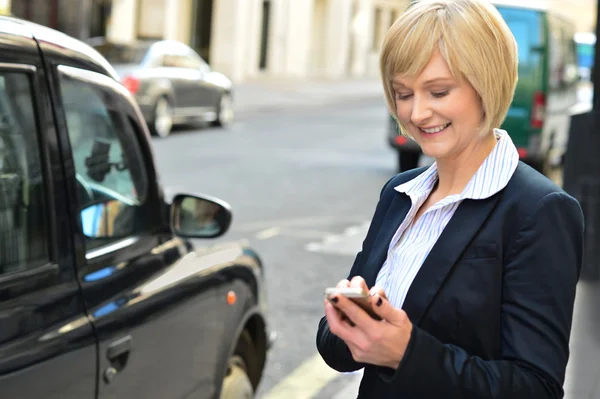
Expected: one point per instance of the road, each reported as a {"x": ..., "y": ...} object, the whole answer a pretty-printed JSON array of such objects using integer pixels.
[{"x": 303, "y": 183}]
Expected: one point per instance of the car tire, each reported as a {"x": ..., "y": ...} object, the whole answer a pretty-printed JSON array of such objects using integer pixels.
[
  {"x": 162, "y": 118},
  {"x": 408, "y": 160},
  {"x": 242, "y": 375},
  {"x": 225, "y": 111}
]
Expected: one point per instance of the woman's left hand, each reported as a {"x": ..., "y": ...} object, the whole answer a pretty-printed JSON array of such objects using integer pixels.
[{"x": 381, "y": 343}]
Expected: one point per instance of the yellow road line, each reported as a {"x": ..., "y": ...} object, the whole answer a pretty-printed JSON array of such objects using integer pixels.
[{"x": 304, "y": 382}]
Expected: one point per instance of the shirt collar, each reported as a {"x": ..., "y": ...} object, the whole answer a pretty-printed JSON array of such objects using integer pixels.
[{"x": 491, "y": 177}]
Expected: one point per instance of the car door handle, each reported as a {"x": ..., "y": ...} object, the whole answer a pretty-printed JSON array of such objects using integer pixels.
[
  {"x": 117, "y": 354},
  {"x": 118, "y": 348}
]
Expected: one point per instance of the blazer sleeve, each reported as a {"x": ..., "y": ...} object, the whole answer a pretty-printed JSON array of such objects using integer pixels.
[
  {"x": 334, "y": 350},
  {"x": 540, "y": 275}
]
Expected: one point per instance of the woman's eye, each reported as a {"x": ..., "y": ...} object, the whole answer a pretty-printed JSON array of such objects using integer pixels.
[
  {"x": 440, "y": 94},
  {"x": 403, "y": 97}
]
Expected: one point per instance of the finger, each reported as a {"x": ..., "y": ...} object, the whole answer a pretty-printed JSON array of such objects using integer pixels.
[
  {"x": 384, "y": 309},
  {"x": 343, "y": 284},
  {"x": 343, "y": 317},
  {"x": 337, "y": 325},
  {"x": 354, "y": 312},
  {"x": 359, "y": 282},
  {"x": 375, "y": 290}
]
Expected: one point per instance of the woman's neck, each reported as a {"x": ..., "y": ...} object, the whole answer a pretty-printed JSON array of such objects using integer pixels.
[{"x": 454, "y": 174}]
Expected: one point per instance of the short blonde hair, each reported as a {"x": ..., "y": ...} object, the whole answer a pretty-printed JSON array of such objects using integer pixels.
[{"x": 473, "y": 39}]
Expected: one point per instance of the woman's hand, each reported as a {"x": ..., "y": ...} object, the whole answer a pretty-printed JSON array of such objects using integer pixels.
[{"x": 381, "y": 343}]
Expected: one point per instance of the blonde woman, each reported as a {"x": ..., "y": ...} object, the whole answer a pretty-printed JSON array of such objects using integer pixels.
[{"x": 471, "y": 263}]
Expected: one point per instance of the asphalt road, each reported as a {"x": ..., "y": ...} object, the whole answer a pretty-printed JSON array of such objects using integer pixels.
[{"x": 303, "y": 183}]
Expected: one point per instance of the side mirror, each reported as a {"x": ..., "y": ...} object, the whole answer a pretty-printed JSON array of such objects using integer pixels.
[{"x": 199, "y": 217}]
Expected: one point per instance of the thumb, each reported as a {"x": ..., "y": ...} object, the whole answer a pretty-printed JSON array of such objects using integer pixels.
[{"x": 384, "y": 309}]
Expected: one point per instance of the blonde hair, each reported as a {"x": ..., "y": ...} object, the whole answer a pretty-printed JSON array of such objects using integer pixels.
[{"x": 474, "y": 40}]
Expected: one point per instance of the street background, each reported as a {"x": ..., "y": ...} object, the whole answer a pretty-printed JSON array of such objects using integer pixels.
[
  {"x": 302, "y": 167},
  {"x": 304, "y": 162}
]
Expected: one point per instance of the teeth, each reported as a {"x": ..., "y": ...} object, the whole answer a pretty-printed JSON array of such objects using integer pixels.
[{"x": 435, "y": 130}]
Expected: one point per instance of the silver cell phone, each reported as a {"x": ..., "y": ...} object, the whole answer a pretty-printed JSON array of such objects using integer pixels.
[{"x": 356, "y": 295}]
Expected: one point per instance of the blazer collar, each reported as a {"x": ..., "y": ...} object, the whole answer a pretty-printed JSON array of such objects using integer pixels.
[{"x": 458, "y": 234}]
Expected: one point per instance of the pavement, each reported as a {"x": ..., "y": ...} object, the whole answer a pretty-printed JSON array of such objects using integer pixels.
[{"x": 272, "y": 94}]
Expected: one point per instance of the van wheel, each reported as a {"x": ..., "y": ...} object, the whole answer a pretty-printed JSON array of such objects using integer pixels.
[
  {"x": 243, "y": 371},
  {"x": 408, "y": 160}
]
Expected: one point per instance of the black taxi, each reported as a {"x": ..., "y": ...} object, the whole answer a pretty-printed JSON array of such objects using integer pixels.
[{"x": 102, "y": 292}]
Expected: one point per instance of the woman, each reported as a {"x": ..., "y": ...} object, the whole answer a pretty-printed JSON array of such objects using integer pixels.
[{"x": 472, "y": 262}]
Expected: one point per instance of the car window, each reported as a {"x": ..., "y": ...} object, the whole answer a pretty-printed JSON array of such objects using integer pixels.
[
  {"x": 181, "y": 61},
  {"x": 111, "y": 179},
  {"x": 23, "y": 218},
  {"x": 123, "y": 53},
  {"x": 196, "y": 62}
]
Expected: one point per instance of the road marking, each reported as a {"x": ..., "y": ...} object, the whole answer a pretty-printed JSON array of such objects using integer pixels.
[
  {"x": 350, "y": 389},
  {"x": 304, "y": 382},
  {"x": 268, "y": 233},
  {"x": 349, "y": 242}
]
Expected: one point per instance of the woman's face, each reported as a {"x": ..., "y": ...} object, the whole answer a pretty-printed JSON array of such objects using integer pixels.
[{"x": 442, "y": 114}]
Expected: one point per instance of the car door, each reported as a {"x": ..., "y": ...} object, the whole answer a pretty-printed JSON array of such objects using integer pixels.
[
  {"x": 207, "y": 93},
  {"x": 154, "y": 309},
  {"x": 47, "y": 344},
  {"x": 183, "y": 79}
]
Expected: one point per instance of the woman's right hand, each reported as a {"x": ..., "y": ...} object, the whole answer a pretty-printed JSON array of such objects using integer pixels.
[{"x": 359, "y": 282}]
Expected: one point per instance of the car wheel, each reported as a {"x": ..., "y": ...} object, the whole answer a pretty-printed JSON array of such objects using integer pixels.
[
  {"x": 237, "y": 384},
  {"x": 408, "y": 160},
  {"x": 225, "y": 111},
  {"x": 162, "y": 122},
  {"x": 243, "y": 370}
]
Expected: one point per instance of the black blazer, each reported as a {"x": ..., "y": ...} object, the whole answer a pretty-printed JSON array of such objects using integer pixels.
[{"x": 492, "y": 304}]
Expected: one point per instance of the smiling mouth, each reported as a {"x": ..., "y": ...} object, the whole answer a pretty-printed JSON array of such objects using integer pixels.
[{"x": 435, "y": 129}]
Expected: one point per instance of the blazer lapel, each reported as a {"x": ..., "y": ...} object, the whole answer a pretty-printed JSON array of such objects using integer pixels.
[
  {"x": 389, "y": 225},
  {"x": 458, "y": 233}
]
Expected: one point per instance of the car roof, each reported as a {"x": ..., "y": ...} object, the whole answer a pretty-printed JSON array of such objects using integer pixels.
[{"x": 55, "y": 41}]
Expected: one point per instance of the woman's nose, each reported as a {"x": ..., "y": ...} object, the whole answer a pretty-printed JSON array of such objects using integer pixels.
[{"x": 421, "y": 111}]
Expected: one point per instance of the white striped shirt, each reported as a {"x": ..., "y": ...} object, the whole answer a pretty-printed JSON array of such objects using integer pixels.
[{"x": 412, "y": 243}]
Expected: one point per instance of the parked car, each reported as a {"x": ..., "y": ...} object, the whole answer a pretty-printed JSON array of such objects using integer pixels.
[
  {"x": 171, "y": 83},
  {"x": 102, "y": 292},
  {"x": 539, "y": 117}
]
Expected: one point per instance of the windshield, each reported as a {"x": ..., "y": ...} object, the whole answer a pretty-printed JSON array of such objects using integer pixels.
[{"x": 122, "y": 53}]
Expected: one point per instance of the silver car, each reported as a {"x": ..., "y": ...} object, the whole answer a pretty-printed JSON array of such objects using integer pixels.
[{"x": 171, "y": 83}]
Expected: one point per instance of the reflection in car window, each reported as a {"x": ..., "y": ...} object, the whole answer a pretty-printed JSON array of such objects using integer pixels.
[
  {"x": 23, "y": 228},
  {"x": 110, "y": 175}
]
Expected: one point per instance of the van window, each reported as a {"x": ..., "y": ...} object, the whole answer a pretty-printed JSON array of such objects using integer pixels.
[{"x": 526, "y": 27}]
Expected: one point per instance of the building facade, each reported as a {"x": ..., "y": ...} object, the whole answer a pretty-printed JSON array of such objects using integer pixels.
[{"x": 253, "y": 38}]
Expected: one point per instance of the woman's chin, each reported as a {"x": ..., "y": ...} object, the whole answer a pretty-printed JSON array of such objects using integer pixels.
[{"x": 434, "y": 153}]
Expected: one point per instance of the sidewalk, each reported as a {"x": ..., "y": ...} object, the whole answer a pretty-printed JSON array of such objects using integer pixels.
[{"x": 271, "y": 94}]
